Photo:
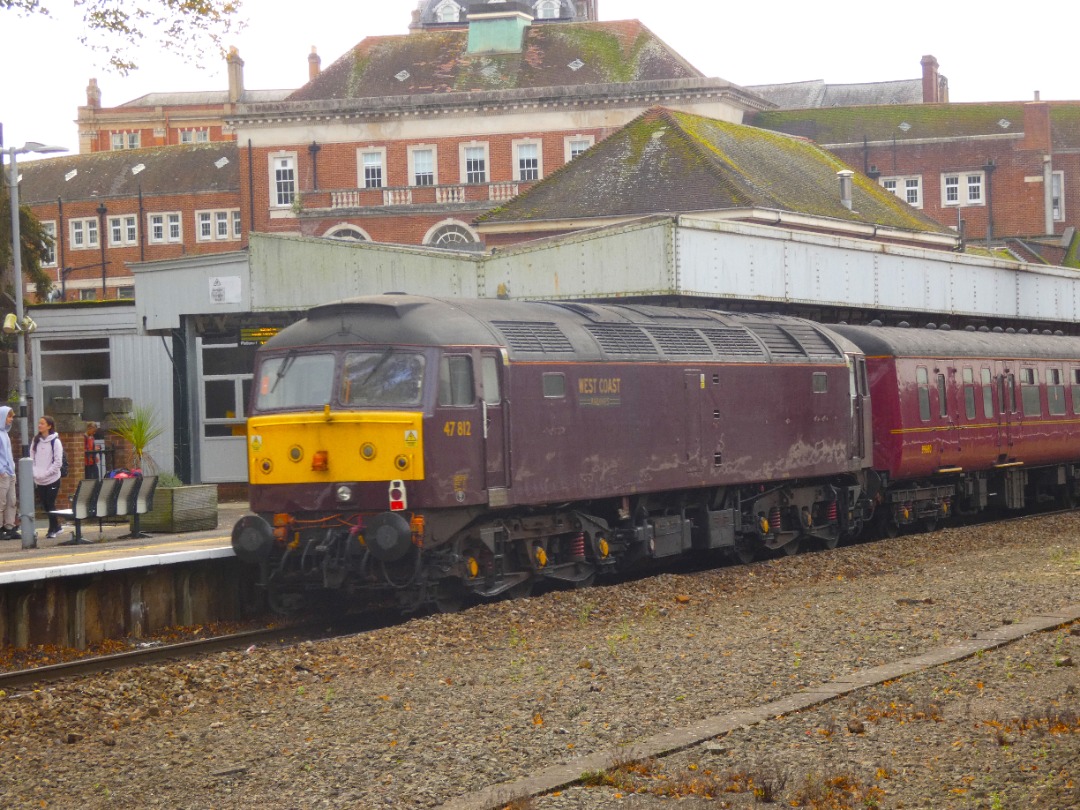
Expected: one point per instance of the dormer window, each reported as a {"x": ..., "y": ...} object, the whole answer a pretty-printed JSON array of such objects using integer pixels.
[
  {"x": 448, "y": 12},
  {"x": 548, "y": 9}
]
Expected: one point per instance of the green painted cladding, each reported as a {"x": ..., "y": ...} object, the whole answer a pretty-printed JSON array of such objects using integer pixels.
[{"x": 502, "y": 35}]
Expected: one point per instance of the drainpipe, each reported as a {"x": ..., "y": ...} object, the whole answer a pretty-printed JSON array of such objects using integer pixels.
[
  {"x": 313, "y": 150},
  {"x": 1048, "y": 194},
  {"x": 989, "y": 170},
  {"x": 251, "y": 190}
]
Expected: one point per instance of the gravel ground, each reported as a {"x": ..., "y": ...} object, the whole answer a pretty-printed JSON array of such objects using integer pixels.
[{"x": 415, "y": 715}]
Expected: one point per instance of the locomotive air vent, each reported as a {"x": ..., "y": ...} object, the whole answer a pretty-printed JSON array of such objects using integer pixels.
[
  {"x": 540, "y": 336},
  {"x": 733, "y": 342},
  {"x": 622, "y": 339},
  {"x": 794, "y": 340},
  {"x": 674, "y": 340}
]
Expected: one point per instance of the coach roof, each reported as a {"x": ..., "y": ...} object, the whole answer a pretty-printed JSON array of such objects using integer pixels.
[{"x": 883, "y": 341}]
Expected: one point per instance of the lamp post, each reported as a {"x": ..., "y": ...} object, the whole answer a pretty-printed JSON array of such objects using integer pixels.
[
  {"x": 101, "y": 212},
  {"x": 25, "y": 466}
]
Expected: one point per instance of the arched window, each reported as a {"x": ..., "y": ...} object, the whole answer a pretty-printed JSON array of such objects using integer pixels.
[
  {"x": 548, "y": 9},
  {"x": 448, "y": 11},
  {"x": 452, "y": 236},
  {"x": 347, "y": 233}
]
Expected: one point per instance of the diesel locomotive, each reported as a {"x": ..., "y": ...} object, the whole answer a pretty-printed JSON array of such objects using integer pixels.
[{"x": 432, "y": 450}]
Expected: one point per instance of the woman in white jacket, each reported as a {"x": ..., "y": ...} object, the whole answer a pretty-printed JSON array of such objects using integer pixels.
[{"x": 47, "y": 453}]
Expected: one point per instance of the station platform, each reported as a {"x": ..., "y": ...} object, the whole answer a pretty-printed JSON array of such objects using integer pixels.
[{"x": 106, "y": 549}]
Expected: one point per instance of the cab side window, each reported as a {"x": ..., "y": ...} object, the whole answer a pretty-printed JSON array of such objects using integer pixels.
[{"x": 456, "y": 380}]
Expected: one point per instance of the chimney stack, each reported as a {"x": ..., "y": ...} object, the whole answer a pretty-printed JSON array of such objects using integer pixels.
[
  {"x": 1037, "y": 126},
  {"x": 236, "y": 75},
  {"x": 846, "y": 185},
  {"x": 314, "y": 64},
  {"x": 935, "y": 87},
  {"x": 93, "y": 95}
]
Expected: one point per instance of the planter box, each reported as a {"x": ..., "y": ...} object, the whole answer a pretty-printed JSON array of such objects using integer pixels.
[{"x": 182, "y": 509}]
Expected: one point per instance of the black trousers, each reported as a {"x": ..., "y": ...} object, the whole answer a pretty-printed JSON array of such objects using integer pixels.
[{"x": 46, "y": 494}]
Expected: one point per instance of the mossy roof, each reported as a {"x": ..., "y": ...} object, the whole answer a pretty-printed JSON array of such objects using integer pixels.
[
  {"x": 666, "y": 161},
  {"x": 187, "y": 169},
  {"x": 438, "y": 62},
  {"x": 832, "y": 125}
]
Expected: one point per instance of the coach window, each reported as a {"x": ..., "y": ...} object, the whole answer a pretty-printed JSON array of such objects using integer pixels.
[
  {"x": 969, "y": 393},
  {"x": 943, "y": 403},
  {"x": 987, "y": 393},
  {"x": 1055, "y": 392},
  {"x": 1029, "y": 392},
  {"x": 922, "y": 377},
  {"x": 1076, "y": 390},
  {"x": 455, "y": 380},
  {"x": 554, "y": 386}
]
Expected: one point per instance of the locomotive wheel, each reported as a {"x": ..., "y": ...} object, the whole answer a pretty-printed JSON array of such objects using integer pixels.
[
  {"x": 790, "y": 549},
  {"x": 930, "y": 525},
  {"x": 450, "y": 597}
]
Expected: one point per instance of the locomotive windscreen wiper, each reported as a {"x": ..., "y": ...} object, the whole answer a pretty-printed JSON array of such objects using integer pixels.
[{"x": 281, "y": 372}]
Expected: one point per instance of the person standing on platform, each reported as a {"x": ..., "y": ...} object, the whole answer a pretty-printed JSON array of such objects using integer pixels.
[
  {"x": 92, "y": 470},
  {"x": 48, "y": 455},
  {"x": 8, "y": 487}
]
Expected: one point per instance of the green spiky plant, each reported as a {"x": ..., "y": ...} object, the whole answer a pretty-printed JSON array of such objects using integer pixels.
[{"x": 138, "y": 429}]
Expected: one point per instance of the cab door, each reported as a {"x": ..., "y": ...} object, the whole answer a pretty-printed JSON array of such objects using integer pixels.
[{"x": 494, "y": 423}]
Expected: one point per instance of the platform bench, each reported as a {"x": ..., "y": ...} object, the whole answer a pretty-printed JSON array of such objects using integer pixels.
[{"x": 109, "y": 498}]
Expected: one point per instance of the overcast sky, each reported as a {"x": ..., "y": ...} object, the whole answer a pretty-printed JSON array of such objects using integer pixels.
[{"x": 986, "y": 55}]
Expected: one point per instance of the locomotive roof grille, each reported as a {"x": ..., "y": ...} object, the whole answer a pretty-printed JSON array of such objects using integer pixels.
[
  {"x": 524, "y": 336},
  {"x": 793, "y": 340},
  {"x": 733, "y": 341},
  {"x": 617, "y": 338},
  {"x": 676, "y": 340}
]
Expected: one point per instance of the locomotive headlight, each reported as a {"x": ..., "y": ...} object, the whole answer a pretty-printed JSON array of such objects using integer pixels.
[
  {"x": 367, "y": 451},
  {"x": 296, "y": 453},
  {"x": 344, "y": 493}
]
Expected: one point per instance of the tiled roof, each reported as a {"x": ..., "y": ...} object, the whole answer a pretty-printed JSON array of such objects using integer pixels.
[
  {"x": 168, "y": 170},
  {"x": 671, "y": 162},
  {"x": 438, "y": 62},
  {"x": 814, "y": 94}
]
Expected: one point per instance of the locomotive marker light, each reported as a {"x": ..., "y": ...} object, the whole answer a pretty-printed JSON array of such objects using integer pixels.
[
  {"x": 398, "y": 499},
  {"x": 344, "y": 493}
]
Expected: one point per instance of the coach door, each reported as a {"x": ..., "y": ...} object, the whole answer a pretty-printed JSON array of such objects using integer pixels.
[
  {"x": 494, "y": 420},
  {"x": 1007, "y": 410}
]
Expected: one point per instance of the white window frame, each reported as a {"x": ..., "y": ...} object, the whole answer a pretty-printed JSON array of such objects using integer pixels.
[
  {"x": 216, "y": 225},
  {"x": 519, "y": 170},
  {"x": 423, "y": 147},
  {"x": 237, "y": 224},
  {"x": 571, "y": 145},
  {"x": 547, "y": 10},
  {"x": 378, "y": 156},
  {"x": 123, "y": 230},
  {"x": 448, "y": 227},
  {"x": 170, "y": 224},
  {"x": 196, "y": 135},
  {"x": 84, "y": 233},
  {"x": 964, "y": 183},
  {"x": 1057, "y": 195},
  {"x": 283, "y": 190},
  {"x": 49, "y": 259},
  {"x": 902, "y": 185},
  {"x": 447, "y": 11},
  {"x": 124, "y": 140},
  {"x": 463, "y": 151}
]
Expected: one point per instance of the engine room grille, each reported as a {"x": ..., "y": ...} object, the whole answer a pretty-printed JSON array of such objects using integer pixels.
[
  {"x": 540, "y": 336},
  {"x": 793, "y": 340},
  {"x": 674, "y": 340},
  {"x": 734, "y": 342},
  {"x": 619, "y": 338}
]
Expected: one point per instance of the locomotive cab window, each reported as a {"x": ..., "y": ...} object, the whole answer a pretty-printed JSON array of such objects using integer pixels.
[
  {"x": 489, "y": 371},
  {"x": 1055, "y": 392},
  {"x": 295, "y": 381},
  {"x": 382, "y": 378},
  {"x": 1029, "y": 392},
  {"x": 554, "y": 386},
  {"x": 455, "y": 380},
  {"x": 820, "y": 382},
  {"x": 922, "y": 377}
]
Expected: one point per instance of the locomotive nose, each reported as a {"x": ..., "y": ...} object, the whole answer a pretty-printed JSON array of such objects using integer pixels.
[{"x": 252, "y": 539}]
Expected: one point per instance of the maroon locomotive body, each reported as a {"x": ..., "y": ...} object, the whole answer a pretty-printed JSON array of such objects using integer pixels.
[{"x": 442, "y": 448}]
